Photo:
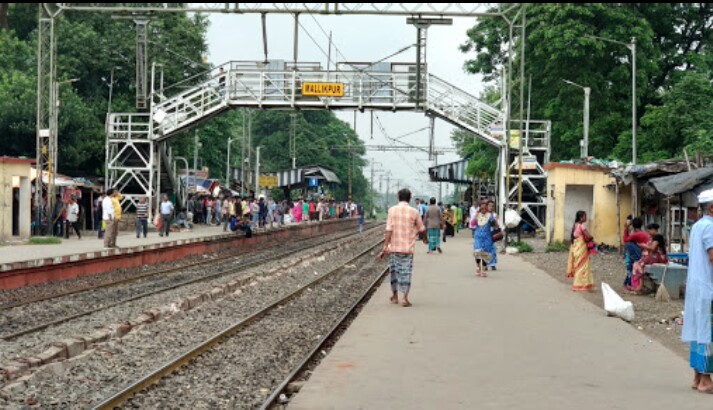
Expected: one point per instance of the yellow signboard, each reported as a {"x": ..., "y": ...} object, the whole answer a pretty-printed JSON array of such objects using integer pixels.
[
  {"x": 323, "y": 89},
  {"x": 268, "y": 181}
]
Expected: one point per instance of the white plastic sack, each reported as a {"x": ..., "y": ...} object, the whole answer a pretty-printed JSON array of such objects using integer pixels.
[
  {"x": 615, "y": 305},
  {"x": 512, "y": 218}
]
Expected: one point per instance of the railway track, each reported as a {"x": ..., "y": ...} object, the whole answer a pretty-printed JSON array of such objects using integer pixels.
[
  {"x": 24, "y": 301},
  {"x": 36, "y": 323},
  {"x": 273, "y": 310}
]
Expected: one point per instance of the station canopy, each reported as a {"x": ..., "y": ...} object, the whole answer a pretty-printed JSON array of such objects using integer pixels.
[
  {"x": 298, "y": 176},
  {"x": 453, "y": 172}
]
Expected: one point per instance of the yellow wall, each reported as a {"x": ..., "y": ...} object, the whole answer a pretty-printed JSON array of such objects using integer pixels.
[
  {"x": 602, "y": 223},
  {"x": 10, "y": 172}
]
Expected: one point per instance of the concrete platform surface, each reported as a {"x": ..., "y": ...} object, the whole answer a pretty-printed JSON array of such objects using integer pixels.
[
  {"x": 90, "y": 243},
  {"x": 515, "y": 340}
]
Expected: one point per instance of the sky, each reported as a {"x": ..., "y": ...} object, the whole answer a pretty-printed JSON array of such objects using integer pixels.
[{"x": 364, "y": 39}]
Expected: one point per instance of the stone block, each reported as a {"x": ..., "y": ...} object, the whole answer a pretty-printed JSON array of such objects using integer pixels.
[
  {"x": 53, "y": 353},
  {"x": 217, "y": 293},
  {"x": 195, "y": 300},
  {"x": 155, "y": 313},
  {"x": 74, "y": 346},
  {"x": 34, "y": 362},
  {"x": 98, "y": 336}
]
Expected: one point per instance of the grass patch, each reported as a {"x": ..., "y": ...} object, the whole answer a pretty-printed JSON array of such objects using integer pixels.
[
  {"x": 557, "y": 246},
  {"x": 45, "y": 241},
  {"x": 522, "y": 247}
]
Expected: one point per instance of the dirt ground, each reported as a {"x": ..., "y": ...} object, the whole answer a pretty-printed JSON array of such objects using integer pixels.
[{"x": 654, "y": 319}]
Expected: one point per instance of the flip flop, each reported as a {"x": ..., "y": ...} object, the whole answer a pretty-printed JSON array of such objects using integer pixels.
[
  {"x": 707, "y": 391},
  {"x": 407, "y": 304},
  {"x": 394, "y": 300}
]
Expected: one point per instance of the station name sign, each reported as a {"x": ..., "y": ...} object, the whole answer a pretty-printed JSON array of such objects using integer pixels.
[{"x": 323, "y": 89}]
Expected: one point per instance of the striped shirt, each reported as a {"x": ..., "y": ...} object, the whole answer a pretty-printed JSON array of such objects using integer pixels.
[
  {"x": 142, "y": 211},
  {"x": 404, "y": 223}
]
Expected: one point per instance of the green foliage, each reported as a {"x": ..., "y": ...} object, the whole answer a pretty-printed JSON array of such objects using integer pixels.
[
  {"x": 89, "y": 45},
  {"x": 45, "y": 241},
  {"x": 557, "y": 246},
  {"x": 522, "y": 247},
  {"x": 670, "y": 37}
]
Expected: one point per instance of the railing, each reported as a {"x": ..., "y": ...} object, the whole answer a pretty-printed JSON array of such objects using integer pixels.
[
  {"x": 458, "y": 106},
  {"x": 241, "y": 86}
]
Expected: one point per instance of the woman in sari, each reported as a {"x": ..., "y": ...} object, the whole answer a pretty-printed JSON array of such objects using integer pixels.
[
  {"x": 651, "y": 253},
  {"x": 449, "y": 220},
  {"x": 483, "y": 224},
  {"x": 297, "y": 212},
  {"x": 578, "y": 265}
]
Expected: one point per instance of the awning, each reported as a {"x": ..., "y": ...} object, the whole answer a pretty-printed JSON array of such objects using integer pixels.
[
  {"x": 297, "y": 176},
  {"x": 453, "y": 172},
  {"x": 694, "y": 181}
]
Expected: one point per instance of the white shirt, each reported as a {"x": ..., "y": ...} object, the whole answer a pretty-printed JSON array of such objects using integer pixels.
[
  {"x": 72, "y": 212},
  {"x": 166, "y": 208},
  {"x": 107, "y": 209}
]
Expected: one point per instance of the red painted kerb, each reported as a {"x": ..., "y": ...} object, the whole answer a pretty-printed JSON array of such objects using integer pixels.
[{"x": 71, "y": 266}]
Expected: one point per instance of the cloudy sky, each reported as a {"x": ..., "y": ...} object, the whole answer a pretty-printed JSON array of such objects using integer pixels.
[{"x": 365, "y": 39}]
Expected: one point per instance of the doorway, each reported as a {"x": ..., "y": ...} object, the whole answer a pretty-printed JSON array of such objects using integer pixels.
[{"x": 578, "y": 198}]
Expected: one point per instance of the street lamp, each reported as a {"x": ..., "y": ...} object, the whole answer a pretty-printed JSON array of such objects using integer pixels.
[
  {"x": 52, "y": 165},
  {"x": 585, "y": 143},
  {"x": 631, "y": 46}
]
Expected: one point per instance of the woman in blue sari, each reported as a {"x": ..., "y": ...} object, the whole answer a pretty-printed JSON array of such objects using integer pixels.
[{"x": 483, "y": 245}]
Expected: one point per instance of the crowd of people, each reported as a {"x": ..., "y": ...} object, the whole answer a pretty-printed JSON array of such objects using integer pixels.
[{"x": 233, "y": 213}]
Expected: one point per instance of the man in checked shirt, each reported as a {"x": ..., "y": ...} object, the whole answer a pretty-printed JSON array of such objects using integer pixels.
[{"x": 402, "y": 226}]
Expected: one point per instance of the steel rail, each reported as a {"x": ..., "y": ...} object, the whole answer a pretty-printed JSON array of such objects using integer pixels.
[
  {"x": 29, "y": 301},
  {"x": 273, "y": 398},
  {"x": 249, "y": 265},
  {"x": 176, "y": 363}
]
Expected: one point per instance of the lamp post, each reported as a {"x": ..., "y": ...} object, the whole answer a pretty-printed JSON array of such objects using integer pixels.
[
  {"x": 585, "y": 142},
  {"x": 631, "y": 46},
  {"x": 227, "y": 161},
  {"x": 52, "y": 165}
]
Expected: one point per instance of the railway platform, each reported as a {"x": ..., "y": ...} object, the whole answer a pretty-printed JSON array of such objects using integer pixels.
[
  {"x": 22, "y": 265},
  {"x": 516, "y": 340}
]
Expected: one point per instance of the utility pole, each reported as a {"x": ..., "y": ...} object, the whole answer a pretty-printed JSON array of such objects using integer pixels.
[
  {"x": 195, "y": 159},
  {"x": 349, "y": 143},
  {"x": 293, "y": 140},
  {"x": 257, "y": 171},
  {"x": 388, "y": 186},
  {"x": 243, "y": 160}
]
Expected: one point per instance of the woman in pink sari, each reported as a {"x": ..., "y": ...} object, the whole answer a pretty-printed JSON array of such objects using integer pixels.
[
  {"x": 297, "y": 210},
  {"x": 653, "y": 252}
]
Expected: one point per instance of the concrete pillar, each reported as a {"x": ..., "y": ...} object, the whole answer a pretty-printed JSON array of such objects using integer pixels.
[
  {"x": 5, "y": 203},
  {"x": 25, "y": 217}
]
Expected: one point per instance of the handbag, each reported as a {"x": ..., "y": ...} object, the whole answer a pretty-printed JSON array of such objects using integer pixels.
[{"x": 497, "y": 234}]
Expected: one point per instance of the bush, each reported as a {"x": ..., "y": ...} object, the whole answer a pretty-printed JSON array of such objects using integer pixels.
[
  {"x": 45, "y": 241},
  {"x": 557, "y": 246},
  {"x": 522, "y": 247}
]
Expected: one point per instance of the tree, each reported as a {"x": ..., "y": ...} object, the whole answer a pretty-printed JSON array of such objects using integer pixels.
[{"x": 668, "y": 37}]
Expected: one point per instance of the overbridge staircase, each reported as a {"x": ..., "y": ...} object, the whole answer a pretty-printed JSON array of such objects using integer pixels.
[{"x": 135, "y": 157}]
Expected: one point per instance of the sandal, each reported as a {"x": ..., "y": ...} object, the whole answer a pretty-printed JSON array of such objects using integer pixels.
[{"x": 406, "y": 304}]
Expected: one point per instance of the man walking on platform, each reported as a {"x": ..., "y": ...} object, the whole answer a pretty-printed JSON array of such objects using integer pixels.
[
  {"x": 142, "y": 217},
  {"x": 433, "y": 221},
  {"x": 166, "y": 214},
  {"x": 72, "y": 218},
  {"x": 402, "y": 225},
  {"x": 698, "y": 312},
  {"x": 108, "y": 219}
]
